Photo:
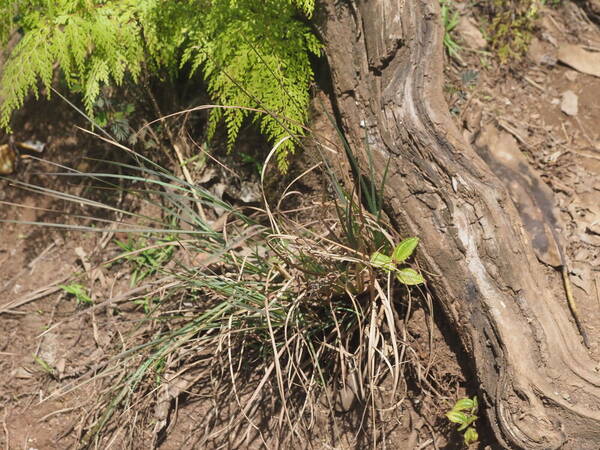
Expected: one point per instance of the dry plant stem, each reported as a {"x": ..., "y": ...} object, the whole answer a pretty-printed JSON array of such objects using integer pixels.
[
  {"x": 188, "y": 178},
  {"x": 597, "y": 290},
  {"x": 51, "y": 288},
  {"x": 5, "y": 428},
  {"x": 573, "y": 305},
  {"x": 29, "y": 266},
  {"x": 540, "y": 388},
  {"x": 177, "y": 150}
]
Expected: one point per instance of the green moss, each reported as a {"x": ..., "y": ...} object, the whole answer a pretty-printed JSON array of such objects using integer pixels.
[{"x": 511, "y": 27}]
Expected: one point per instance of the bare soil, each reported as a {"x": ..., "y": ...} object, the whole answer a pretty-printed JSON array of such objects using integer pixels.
[{"x": 39, "y": 411}]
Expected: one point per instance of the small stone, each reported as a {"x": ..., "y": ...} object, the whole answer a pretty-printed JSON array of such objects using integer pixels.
[
  {"x": 549, "y": 60},
  {"x": 470, "y": 33},
  {"x": 541, "y": 54},
  {"x": 549, "y": 38},
  {"x": 569, "y": 103},
  {"x": 571, "y": 75},
  {"x": 593, "y": 228}
]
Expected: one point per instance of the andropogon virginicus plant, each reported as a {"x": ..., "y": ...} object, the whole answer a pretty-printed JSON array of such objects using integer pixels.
[{"x": 264, "y": 311}]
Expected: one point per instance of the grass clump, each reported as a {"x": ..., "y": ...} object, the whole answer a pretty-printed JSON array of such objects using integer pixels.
[
  {"x": 79, "y": 292},
  {"x": 146, "y": 258},
  {"x": 277, "y": 314},
  {"x": 450, "y": 18}
]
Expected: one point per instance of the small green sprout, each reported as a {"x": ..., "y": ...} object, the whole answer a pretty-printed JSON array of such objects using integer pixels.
[
  {"x": 147, "y": 303},
  {"x": 450, "y": 19},
  {"x": 146, "y": 259},
  {"x": 43, "y": 364},
  {"x": 80, "y": 292},
  {"x": 464, "y": 413},
  {"x": 400, "y": 254}
]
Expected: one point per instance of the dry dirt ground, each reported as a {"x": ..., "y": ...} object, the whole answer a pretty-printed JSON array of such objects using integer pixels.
[{"x": 526, "y": 102}]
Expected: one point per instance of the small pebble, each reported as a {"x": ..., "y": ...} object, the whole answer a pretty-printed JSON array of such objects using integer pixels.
[{"x": 569, "y": 103}]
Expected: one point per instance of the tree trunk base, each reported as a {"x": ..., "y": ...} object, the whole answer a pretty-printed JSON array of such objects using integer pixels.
[{"x": 540, "y": 388}]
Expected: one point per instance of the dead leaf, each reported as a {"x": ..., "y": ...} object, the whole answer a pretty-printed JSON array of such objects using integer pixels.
[
  {"x": 594, "y": 228},
  {"x": 168, "y": 392},
  {"x": 571, "y": 75},
  {"x": 22, "y": 373}
]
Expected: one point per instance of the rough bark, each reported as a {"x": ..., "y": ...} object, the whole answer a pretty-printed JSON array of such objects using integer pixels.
[{"x": 540, "y": 387}]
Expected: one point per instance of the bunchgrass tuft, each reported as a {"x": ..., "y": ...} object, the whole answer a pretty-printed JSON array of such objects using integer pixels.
[{"x": 275, "y": 316}]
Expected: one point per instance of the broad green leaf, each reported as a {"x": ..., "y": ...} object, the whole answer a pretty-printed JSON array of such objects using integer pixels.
[
  {"x": 464, "y": 404},
  {"x": 475, "y": 404},
  {"x": 470, "y": 420},
  {"x": 382, "y": 261},
  {"x": 409, "y": 276},
  {"x": 456, "y": 416},
  {"x": 404, "y": 249},
  {"x": 471, "y": 436}
]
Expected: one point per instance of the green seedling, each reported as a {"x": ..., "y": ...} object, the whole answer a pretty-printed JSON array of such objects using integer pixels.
[
  {"x": 147, "y": 304},
  {"x": 464, "y": 413},
  {"x": 146, "y": 259},
  {"x": 43, "y": 364},
  {"x": 450, "y": 18},
  {"x": 249, "y": 159},
  {"x": 79, "y": 292},
  {"x": 401, "y": 253}
]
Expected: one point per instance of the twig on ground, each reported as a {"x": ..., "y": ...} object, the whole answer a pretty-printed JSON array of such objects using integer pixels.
[
  {"x": 35, "y": 295},
  {"x": 7, "y": 442},
  {"x": 29, "y": 266},
  {"x": 573, "y": 305},
  {"x": 58, "y": 411},
  {"x": 534, "y": 84},
  {"x": 585, "y": 134},
  {"x": 188, "y": 178},
  {"x": 504, "y": 125},
  {"x": 597, "y": 290}
]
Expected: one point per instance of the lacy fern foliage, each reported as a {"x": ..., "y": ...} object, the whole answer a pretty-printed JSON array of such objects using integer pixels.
[{"x": 253, "y": 55}]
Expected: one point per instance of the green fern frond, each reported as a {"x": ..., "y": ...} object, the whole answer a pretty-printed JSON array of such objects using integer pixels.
[
  {"x": 252, "y": 54},
  {"x": 92, "y": 46},
  {"x": 8, "y": 13},
  {"x": 257, "y": 56}
]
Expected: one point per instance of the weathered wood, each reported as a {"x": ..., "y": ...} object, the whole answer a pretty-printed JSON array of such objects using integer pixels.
[{"x": 540, "y": 388}]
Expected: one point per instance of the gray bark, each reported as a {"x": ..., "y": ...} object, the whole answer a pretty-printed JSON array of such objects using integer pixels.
[{"x": 540, "y": 387}]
